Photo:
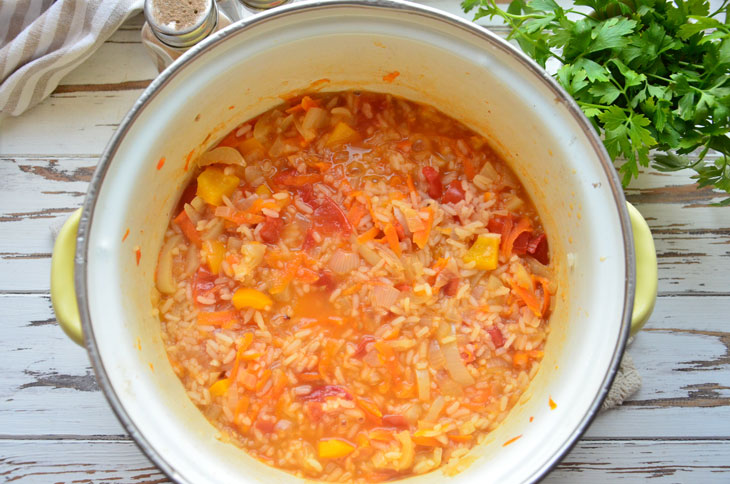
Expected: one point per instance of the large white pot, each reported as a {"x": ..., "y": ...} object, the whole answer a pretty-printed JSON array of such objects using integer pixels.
[{"x": 458, "y": 67}]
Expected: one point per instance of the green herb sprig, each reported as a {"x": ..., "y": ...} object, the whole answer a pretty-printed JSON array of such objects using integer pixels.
[{"x": 649, "y": 74}]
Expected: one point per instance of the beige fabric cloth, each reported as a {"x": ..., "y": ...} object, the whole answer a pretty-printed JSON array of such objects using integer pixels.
[
  {"x": 626, "y": 383},
  {"x": 41, "y": 41}
]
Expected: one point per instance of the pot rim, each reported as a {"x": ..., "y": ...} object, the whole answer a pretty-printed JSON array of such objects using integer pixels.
[{"x": 451, "y": 20}]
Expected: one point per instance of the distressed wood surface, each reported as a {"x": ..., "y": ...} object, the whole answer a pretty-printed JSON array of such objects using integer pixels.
[{"x": 56, "y": 426}]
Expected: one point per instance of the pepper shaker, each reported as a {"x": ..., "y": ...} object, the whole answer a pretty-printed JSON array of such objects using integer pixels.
[{"x": 173, "y": 26}]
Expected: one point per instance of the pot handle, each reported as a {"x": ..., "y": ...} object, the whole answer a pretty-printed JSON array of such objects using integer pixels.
[
  {"x": 646, "y": 270},
  {"x": 63, "y": 291}
]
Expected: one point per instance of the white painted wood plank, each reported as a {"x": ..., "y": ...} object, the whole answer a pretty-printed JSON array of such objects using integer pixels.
[
  {"x": 47, "y": 386},
  {"x": 72, "y": 461}
]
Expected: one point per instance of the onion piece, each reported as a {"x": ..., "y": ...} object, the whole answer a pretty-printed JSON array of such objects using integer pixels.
[
  {"x": 254, "y": 175},
  {"x": 385, "y": 296},
  {"x": 214, "y": 231},
  {"x": 433, "y": 412},
  {"x": 370, "y": 256},
  {"x": 538, "y": 269},
  {"x": 314, "y": 119},
  {"x": 448, "y": 386},
  {"x": 165, "y": 280},
  {"x": 224, "y": 155},
  {"x": 435, "y": 357},
  {"x": 402, "y": 221},
  {"x": 192, "y": 214},
  {"x": 263, "y": 127},
  {"x": 408, "y": 450},
  {"x": 192, "y": 261},
  {"x": 454, "y": 365},
  {"x": 424, "y": 384},
  {"x": 343, "y": 262}
]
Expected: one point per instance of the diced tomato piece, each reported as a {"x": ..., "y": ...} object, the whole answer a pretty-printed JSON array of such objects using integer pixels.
[
  {"x": 496, "y": 336},
  {"x": 292, "y": 178},
  {"x": 538, "y": 248},
  {"x": 188, "y": 194},
  {"x": 315, "y": 411},
  {"x": 326, "y": 280},
  {"x": 451, "y": 287},
  {"x": 394, "y": 421},
  {"x": 203, "y": 282},
  {"x": 362, "y": 346},
  {"x": 330, "y": 219},
  {"x": 271, "y": 230},
  {"x": 454, "y": 193},
  {"x": 265, "y": 425},
  {"x": 309, "y": 241},
  {"x": 519, "y": 246},
  {"x": 403, "y": 287},
  {"x": 322, "y": 393},
  {"x": 433, "y": 178},
  {"x": 496, "y": 224}
]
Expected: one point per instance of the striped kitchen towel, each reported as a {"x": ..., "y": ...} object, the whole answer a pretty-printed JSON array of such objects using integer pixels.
[{"x": 43, "y": 40}]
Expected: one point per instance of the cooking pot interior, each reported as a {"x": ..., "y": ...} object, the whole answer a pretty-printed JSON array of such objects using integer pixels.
[{"x": 246, "y": 71}]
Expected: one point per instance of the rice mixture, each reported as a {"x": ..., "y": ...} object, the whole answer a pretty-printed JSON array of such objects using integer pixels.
[{"x": 354, "y": 288}]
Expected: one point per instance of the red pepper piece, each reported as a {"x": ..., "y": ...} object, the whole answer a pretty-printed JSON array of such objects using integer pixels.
[{"x": 433, "y": 178}]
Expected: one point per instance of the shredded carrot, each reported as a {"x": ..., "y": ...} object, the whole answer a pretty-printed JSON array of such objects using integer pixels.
[
  {"x": 392, "y": 237},
  {"x": 137, "y": 254},
  {"x": 552, "y": 403},
  {"x": 460, "y": 438},
  {"x": 126, "y": 234},
  {"x": 356, "y": 213},
  {"x": 372, "y": 412},
  {"x": 420, "y": 238},
  {"x": 161, "y": 163},
  {"x": 369, "y": 235},
  {"x": 352, "y": 289},
  {"x": 309, "y": 376},
  {"x": 217, "y": 318},
  {"x": 520, "y": 358},
  {"x": 412, "y": 187},
  {"x": 280, "y": 381},
  {"x": 545, "y": 294},
  {"x": 263, "y": 379},
  {"x": 530, "y": 299},
  {"x": 245, "y": 343},
  {"x": 511, "y": 440},
  {"x": 522, "y": 226},
  {"x": 188, "y": 228},
  {"x": 469, "y": 170},
  {"x": 390, "y": 77},
  {"x": 425, "y": 441},
  {"x": 326, "y": 357}
]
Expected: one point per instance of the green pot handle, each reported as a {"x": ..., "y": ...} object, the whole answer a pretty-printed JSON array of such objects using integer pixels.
[
  {"x": 646, "y": 270},
  {"x": 63, "y": 291}
]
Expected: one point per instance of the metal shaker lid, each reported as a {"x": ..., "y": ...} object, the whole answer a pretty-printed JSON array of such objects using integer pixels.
[{"x": 181, "y": 23}]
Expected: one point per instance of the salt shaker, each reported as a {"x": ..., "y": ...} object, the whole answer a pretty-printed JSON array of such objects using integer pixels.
[{"x": 173, "y": 26}]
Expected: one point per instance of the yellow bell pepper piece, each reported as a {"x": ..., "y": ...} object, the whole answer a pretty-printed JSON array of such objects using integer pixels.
[
  {"x": 213, "y": 183},
  {"x": 263, "y": 191},
  {"x": 342, "y": 134},
  {"x": 249, "y": 146},
  {"x": 334, "y": 448},
  {"x": 219, "y": 388},
  {"x": 484, "y": 252},
  {"x": 251, "y": 298},
  {"x": 214, "y": 252}
]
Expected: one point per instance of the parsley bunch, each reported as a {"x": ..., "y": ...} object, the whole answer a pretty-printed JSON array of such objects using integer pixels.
[{"x": 649, "y": 74}]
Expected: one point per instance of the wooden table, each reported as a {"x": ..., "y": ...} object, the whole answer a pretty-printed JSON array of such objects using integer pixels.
[{"x": 56, "y": 426}]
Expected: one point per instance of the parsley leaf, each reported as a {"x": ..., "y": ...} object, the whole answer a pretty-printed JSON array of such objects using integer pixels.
[{"x": 651, "y": 75}]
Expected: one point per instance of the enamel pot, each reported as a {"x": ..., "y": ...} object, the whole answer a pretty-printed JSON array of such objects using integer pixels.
[{"x": 103, "y": 278}]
